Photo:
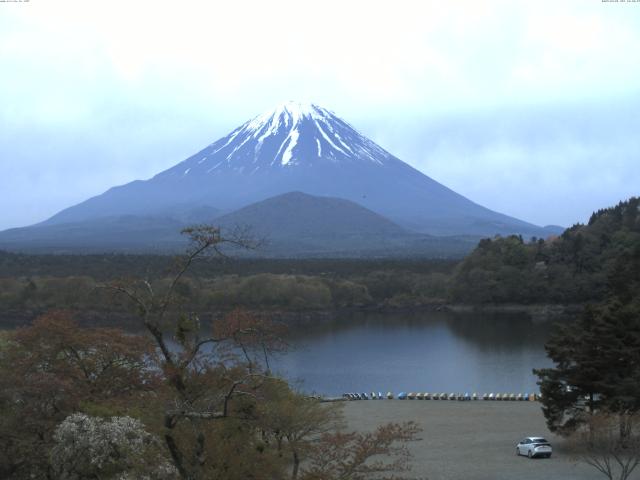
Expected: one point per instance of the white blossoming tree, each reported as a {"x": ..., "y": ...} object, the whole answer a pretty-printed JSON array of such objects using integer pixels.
[{"x": 117, "y": 448}]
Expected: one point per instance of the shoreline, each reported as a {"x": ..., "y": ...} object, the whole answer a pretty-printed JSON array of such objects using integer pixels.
[{"x": 536, "y": 312}]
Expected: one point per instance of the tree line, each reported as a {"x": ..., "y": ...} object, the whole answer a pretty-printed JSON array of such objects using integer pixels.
[
  {"x": 573, "y": 268},
  {"x": 264, "y": 290},
  {"x": 592, "y": 394}
]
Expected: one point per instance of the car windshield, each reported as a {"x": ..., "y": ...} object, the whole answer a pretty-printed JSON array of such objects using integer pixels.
[{"x": 539, "y": 440}]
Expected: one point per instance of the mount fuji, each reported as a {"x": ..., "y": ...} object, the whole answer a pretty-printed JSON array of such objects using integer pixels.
[{"x": 293, "y": 148}]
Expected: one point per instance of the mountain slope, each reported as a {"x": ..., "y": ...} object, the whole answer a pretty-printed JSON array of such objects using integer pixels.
[
  {"x": 292, "y": 225},
  {"x": 129, "y": 233},
  {"x": 299, "y": 147},
  {"x": 299, "y": 215},
  {"x": 298, "y": 224}
]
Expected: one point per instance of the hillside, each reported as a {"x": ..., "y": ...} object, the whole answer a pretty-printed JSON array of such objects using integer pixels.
[
  {"x": 289, "y": 225},
  {"x": 298, "y": 215},
  {"x": 299, "y": 224},
  {"x": 123, "y": 233},
  {"x": 578, "y": 266}
]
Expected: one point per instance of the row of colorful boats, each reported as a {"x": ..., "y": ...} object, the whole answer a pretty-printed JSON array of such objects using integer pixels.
[{"x": 528, "y": 397}]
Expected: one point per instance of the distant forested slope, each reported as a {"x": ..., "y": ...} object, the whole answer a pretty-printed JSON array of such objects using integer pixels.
[
  {"x": 576, "y": 267},
  {"x": 580, "y": 266}
]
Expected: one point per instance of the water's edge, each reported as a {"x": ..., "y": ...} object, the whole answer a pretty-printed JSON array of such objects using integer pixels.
[{"x": 537, "y": 313}]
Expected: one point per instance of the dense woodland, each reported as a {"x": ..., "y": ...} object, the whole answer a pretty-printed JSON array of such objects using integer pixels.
[
  {"x": 37, "y": 283},
  {"x": 592, "y": 393},
  {"x": 570, "y": 269}
]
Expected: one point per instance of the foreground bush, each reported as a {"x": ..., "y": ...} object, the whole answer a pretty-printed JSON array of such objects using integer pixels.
[{"x": 117, "y": 448}]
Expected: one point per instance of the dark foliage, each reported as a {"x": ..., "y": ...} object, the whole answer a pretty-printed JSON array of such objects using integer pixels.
[
  {"x": 598, "y": 356},
  {"x": 37, "y": 283},
  {"x": 577, "y": 267}
]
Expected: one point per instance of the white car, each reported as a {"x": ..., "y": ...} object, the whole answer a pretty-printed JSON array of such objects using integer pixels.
[{"x": 534, "y": 447}]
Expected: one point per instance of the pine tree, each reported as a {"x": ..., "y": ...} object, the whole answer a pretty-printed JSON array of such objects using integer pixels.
[
  {"x": 570, "y": 391},
  {"x": 597, "y": 357}
]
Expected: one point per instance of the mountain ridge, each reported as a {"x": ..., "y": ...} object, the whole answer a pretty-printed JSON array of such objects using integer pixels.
[
  {"x": 293, "y": 224},
  {"x": 303, "y": 147},
  {"x": 296, "y": 148},
  {"x": 317, "y": 215}
]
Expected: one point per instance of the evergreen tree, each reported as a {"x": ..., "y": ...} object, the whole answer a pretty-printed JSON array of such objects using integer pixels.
[
  {"x": 597, "y": 357},
  {"x": 569, "y": 269},
  {"x": 570, "y": 390}
]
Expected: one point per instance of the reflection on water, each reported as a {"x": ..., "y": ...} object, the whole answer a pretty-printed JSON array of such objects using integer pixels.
[
  {"x": 432, "y": 351},
  {"x": 428, "y": 352}
]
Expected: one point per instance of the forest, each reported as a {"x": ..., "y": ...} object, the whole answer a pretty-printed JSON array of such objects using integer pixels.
[
  {"x": 37, "y": 283},
  {"x": 572, "y": 268}
]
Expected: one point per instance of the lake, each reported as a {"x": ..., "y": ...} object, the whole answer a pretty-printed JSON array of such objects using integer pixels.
[{"x": 428, "y": 352}]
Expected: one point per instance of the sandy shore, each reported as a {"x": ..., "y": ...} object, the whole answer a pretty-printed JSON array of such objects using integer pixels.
[{"x": 471, "y": 440}]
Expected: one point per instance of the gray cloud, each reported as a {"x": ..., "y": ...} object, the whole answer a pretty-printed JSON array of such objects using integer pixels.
[
  {"x": 528, "y": 108},
  {"x": 546, "y": 164}
]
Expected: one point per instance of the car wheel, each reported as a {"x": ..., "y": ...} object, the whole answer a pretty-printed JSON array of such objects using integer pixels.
[{"x": 529, "y": 454}]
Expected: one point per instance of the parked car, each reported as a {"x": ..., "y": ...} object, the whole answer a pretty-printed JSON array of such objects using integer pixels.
[{"x": 534, "y": 447}]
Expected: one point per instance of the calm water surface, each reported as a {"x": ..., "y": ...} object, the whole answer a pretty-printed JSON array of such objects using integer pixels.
[
  {"x": 433, "y": 351},
  {"x": 429, "y": 352}
]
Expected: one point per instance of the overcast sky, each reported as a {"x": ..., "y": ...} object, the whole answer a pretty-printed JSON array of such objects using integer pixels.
[{"x": 530, "y": 108}]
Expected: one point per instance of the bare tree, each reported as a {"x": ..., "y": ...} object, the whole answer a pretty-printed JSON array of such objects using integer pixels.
[
  {"x": 256, "y": 336},
  {"x": 203, "y": 383},
  {"x": 296, "y": 422},
  {"x": 225, "y": 415},
  {"x": 359, "y": 456},
  {"x": 600, "y": 445}
]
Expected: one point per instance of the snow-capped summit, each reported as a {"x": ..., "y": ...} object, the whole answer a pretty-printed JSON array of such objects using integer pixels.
[
  {"x": 291, "y": 112},
  {"x": 292, "y": 134},
  {"x": 300, "y": 147}
]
